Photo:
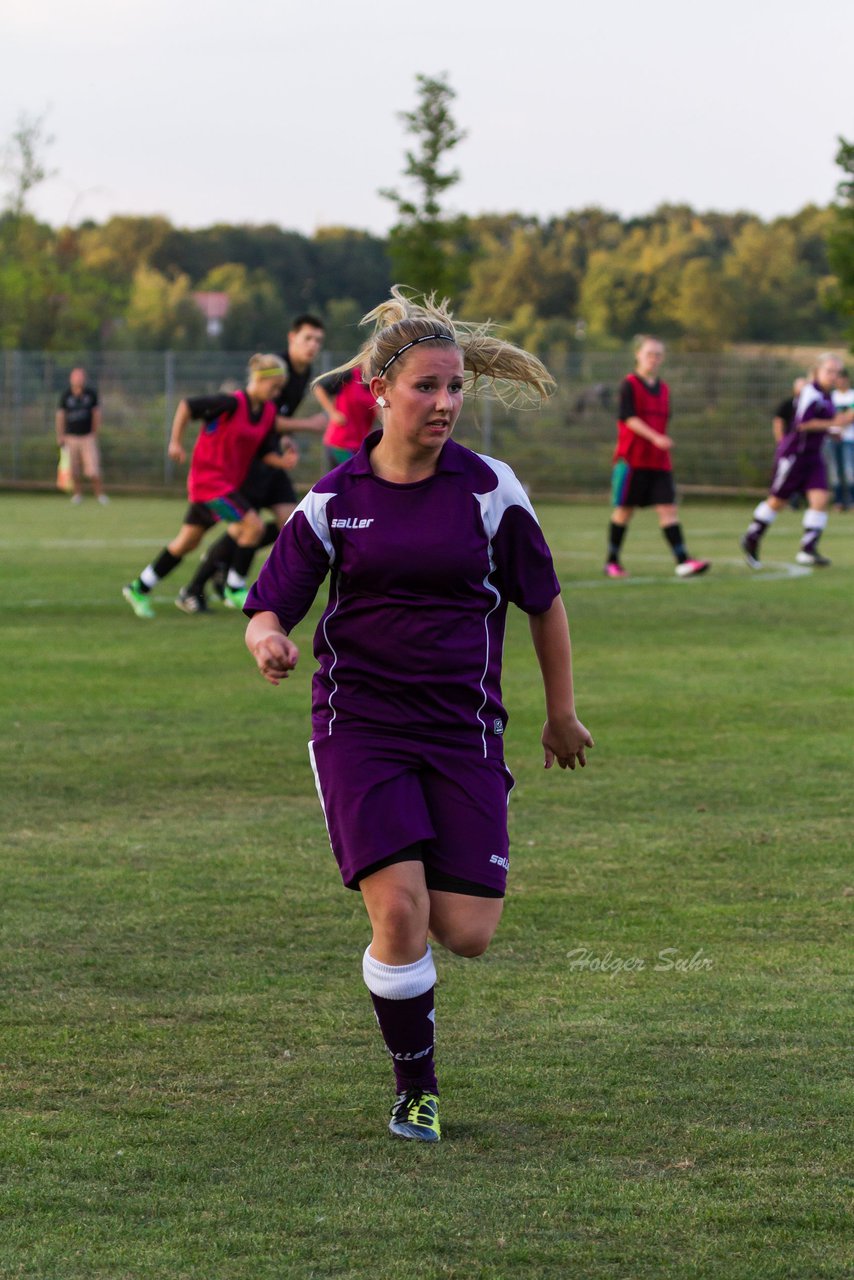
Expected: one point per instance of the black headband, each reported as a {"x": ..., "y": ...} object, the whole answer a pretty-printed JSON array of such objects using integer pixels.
[{"x": 428, "y": 337}]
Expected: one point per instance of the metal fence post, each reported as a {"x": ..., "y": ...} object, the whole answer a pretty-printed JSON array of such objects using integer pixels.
[
  {"x": 17, "y": 403},
  {"x": 168, "y": 411}
]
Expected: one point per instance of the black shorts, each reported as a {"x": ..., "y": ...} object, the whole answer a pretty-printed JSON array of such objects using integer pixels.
[
  {"x": 641, "y": 486},
  {"x": 268, "y": 486},
  {"x": 434, "y": 878}
]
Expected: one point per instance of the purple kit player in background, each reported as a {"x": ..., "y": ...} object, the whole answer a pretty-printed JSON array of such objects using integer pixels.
[
  {"x": 799, "y": 466},
  {"x": 426, "y": 544}
]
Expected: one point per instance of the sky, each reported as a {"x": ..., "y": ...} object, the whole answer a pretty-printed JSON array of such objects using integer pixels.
[{"x": 286, "y": 111}]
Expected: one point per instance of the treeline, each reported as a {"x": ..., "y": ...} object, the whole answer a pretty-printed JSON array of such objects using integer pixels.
[{"x": 698, "y": 279}]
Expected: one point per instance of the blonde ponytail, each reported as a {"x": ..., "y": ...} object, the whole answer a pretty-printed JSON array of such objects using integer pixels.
[{"x": 515, "y": 376}]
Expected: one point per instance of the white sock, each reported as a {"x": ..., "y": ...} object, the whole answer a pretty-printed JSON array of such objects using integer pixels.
[
  {"x": 398, "y": 981},
  {"x": 148, "y": 577},
  {"x": 235, "y": 580},
  {"x": 815, "y": 519},
  {"x": 765, "y": 512}
]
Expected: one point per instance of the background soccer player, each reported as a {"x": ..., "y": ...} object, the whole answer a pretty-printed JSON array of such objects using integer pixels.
[
  {"x": 799, "y": 466},
  {"x": 643, "y": 472},
  {"x": 236, "y": 427},
  {"x": 426, "y": 544},
  {"x": 268, "y": 484},
  {"x": 352, "y": 414}
]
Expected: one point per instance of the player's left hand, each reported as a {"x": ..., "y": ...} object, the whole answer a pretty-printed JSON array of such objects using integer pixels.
[{"x": 566, "y": 741}]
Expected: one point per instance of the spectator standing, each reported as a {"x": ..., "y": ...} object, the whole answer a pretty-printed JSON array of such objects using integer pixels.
[
  {"x": 841, "y": 450},
  {"x": 78, "y": 421}
]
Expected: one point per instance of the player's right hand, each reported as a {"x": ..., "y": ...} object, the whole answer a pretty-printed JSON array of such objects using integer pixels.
[
  {"x": 177, "y": 452},
  {"x": 663, "y": 442},
  {"x": 276, "y": 656}
]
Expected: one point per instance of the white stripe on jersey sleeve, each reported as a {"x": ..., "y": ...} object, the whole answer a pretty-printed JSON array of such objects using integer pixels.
[
  {"x": 507, "y": 493},
  {"x": 313, "y": 507},
  {"x": 808, "y": 397}
]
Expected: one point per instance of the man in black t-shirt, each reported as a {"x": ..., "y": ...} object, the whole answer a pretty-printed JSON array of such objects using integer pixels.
[
  {"x": 267, "y": 487},
  {"x": 78, "y": 419},
  {"x": 784, "y": 414}
]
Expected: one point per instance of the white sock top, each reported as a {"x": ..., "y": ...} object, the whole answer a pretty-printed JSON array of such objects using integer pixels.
[{"x": 398, "y": 981}]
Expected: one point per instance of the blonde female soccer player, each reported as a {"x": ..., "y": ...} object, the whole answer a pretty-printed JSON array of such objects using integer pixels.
[
  {"x": 238, "y": 427},
  {"x": 426, "y": 544}
]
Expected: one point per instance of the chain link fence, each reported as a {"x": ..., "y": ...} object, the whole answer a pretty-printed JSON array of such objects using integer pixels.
[{"x": 722, "y": 406}]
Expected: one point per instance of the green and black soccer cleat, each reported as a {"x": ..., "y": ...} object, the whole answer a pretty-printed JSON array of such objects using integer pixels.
[
  {"x": 415, "y": 1114},
  {"x": 138, "y": 601}
]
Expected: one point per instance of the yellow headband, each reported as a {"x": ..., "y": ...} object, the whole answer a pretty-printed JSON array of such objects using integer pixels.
[{"x": 274, "y": 371}]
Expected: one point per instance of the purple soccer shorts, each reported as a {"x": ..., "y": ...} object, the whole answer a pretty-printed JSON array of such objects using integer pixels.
[
  {"x": 382, "y": 792},
  {"x": 797, "y": 473}
]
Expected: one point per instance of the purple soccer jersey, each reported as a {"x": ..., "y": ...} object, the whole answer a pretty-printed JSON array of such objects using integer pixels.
[
  {"x": 798, "y": 462},
  {"x": 421, "y": 576}
]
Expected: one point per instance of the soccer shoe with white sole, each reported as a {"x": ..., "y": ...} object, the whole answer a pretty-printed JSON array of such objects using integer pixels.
[
  {"x": 690, "y": 568},
  {"x": 189, "y": 603},
  {"x": 750, "y": 547},
  {"x": 415, "y": 1114},
  {"x": 138, "y": 601},
  {"x": 814, "y": 558},
  {"x": 235, "y": 597}
]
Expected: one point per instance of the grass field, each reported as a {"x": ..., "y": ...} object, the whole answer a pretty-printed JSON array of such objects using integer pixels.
[{"x": 193, "y": 1084}]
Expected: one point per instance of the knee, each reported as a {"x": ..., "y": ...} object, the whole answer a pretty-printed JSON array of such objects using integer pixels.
[
  {"x": 399, "y": 916},
  {"x": 251, "y": 529},
  {"x": 466, "y": 942},
  {"x": 187, "y": 540}
]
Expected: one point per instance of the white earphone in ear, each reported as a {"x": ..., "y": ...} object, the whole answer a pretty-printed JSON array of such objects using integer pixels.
[{"x": 381, "y": 402}]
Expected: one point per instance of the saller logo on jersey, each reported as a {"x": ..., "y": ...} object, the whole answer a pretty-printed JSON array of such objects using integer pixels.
[{"x": 352, "y": 522}]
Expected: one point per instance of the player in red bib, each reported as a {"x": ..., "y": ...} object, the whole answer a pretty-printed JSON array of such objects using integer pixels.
[
  {"x": 643, "y": 472},
  {"x": 352, "y": 412},
  {"x": 238, "y": 427}
]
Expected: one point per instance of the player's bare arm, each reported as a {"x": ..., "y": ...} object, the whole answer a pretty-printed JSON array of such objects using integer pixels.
[
  {"x": 825, "y": 424},
  {"x": 565, "y": 738},
  {"x": 649, "y": 433},
  {"x": 834, "y": 427},
  {"x": 274, "y": 652},
  {"x": 176, "y": 450},
  {"x": 327, "y": 405},
  {"x": 317, "y": 423},
  {"x": 284, "y": 461}
]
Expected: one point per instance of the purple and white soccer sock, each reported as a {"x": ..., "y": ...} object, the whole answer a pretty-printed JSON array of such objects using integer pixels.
[
  {"x": 762, "y": 517},
  {"x": 814, "y": 525},
  {"x": 403, "y": 997}
]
